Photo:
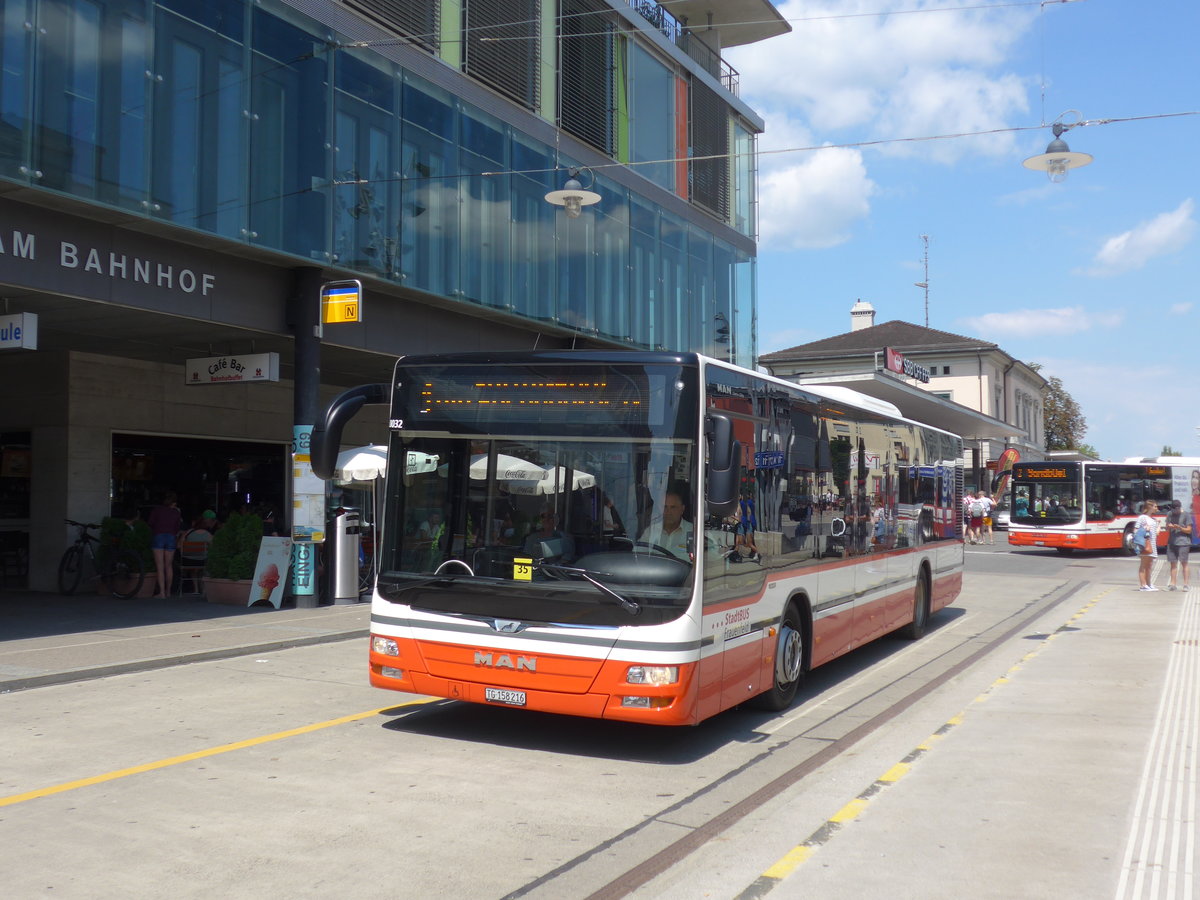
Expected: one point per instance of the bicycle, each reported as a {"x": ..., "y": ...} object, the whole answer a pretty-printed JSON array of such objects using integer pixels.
[{"x": 119, "y": 570}]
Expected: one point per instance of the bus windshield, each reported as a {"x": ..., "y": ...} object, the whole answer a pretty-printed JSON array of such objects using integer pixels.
[
  {"x": 557, "y": 495},
  {"x": 1046, "y": 495}
]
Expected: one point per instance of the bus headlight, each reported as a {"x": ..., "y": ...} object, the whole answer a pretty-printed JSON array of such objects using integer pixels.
[
  {"x": 656, "y": 675},
  {"x": 386, "y": 646}
]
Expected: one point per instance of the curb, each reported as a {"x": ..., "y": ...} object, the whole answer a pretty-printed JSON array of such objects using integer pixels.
[{"x": 163, "y": 662}]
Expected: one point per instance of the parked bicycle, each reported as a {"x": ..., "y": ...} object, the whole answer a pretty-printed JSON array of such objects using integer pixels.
[{"x": 118, "y": 570}]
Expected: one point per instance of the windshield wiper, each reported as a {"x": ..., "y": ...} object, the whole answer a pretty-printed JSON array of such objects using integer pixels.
[{"x": 630, "y": 606}]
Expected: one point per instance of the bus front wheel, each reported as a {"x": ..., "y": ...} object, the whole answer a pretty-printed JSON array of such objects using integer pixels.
[{"x": 789, "y": 664}]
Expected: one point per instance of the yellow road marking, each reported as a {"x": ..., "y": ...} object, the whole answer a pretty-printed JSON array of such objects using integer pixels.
[
  {"x": 200, "y": 754},
  {"x": 790, "y": 861}
]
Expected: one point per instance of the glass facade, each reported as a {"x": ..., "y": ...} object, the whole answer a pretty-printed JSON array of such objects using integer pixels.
[{"x": 245, "y": 120}]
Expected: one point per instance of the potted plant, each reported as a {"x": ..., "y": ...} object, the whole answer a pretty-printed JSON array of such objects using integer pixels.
[
  {"x": 135, "y": 536},
  {"x": 232, "y": 556}
]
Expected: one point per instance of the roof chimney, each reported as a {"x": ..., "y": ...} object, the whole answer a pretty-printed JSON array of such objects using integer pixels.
[{"x": 862, "y": 315}]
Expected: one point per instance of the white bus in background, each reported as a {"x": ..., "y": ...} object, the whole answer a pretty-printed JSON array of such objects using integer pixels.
[{"x": 1093, "y": 505}]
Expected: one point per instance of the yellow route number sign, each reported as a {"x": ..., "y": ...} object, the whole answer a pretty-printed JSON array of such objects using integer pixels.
[
  {"x": 341, "y": 301},
  {"x": 522, "y": 569}
]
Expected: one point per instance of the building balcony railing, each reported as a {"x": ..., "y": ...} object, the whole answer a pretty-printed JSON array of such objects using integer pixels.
[{"x": 681, "y": 36}]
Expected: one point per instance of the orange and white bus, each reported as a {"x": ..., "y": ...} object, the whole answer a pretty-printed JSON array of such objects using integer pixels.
[
  {"x": 563, "y": 531},
  {"x": 1093, "y": 505}
]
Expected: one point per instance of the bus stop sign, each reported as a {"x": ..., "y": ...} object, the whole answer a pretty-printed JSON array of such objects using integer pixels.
[{"x": 341, "y": 301}]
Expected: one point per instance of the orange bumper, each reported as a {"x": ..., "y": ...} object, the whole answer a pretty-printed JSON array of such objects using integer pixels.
[
  {"x": 1070, "y": 540},
  {"x": 598, "y": 693}
]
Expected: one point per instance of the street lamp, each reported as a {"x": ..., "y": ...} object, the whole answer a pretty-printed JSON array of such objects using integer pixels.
[
  {"x": 1058, "y": 158},
  {"x": 573, "y": 197}
]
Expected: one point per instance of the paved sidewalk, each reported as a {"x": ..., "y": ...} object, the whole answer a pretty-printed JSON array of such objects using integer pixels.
[{"x": 51, "y": 639}]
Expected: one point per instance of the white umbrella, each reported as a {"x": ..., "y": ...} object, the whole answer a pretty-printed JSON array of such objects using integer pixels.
[
  {"x": 361, "y": 464},
  {"x": 555, "y": 480},
  {"x": 508, "y": 468}
]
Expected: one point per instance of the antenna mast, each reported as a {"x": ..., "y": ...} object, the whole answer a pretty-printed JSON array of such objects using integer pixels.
[{"x": 925, "y": 284}]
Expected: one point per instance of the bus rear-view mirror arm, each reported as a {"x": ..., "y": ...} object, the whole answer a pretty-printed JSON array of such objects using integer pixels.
[
  {"x": 724, "y": 456},
  {"x": 327, "y": 434}
]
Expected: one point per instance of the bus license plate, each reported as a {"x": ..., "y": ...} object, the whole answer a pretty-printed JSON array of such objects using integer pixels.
[{"x": 505, "y": 696}]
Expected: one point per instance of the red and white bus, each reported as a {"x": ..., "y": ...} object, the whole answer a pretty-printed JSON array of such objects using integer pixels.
[
  {"x": 1093, "y": 505},
  {"x": 565, "y": 540}
]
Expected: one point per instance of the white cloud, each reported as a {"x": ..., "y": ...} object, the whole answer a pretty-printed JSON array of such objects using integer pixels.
[
  {"x": 872, "y": 77},
  {"x": 1180, "y": 309},
  {"x": 814, "y": 203},
  {"x": 1164, "y": 234},
  {"x": 1032, "y": 322},
  {"x": 1120, "y": 423}
]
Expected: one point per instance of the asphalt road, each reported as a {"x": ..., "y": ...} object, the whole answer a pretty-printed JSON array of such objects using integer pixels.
[{"x": 905, "y": 770}]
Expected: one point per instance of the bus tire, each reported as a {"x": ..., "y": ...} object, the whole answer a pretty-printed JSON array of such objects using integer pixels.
[
  {"x": 920, "y": 620},
  {"x": 1127, "y": 541},
  {"x": 789, "y": 664},
  {"x": 1065, "y": 551}
]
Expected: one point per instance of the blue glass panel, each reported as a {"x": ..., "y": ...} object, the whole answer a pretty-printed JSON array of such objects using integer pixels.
[
  {"x": 230, "y": 165},
  {"x": 366, "y": 216},
  {"x": 611, "y": 272},
  {"x": 485, "y": 239},
  {"x": 370, "y": 84},
  {"x": 429, "y": 108},
  {"x": 651, "y": 117},
  {"x": 288, "y": 147},
  {"x": 673, "y": 264},
  {"x": 429, "y": 213},
  {"x": 225, "y": 17},
  {"x": 184, "y": 114},
  {"x": 482, "y": 137},
  {"x": 129, "y": 152},
  {"x": 536, "y": 162},
  {"x": 15, "y": 84}
]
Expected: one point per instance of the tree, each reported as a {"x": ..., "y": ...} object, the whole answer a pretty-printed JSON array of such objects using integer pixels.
[
  {"x": 1064, "y": 423},
  {"x": 1168, "y": 450}
]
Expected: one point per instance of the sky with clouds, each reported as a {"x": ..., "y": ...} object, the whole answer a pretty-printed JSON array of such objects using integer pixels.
[{"x": 923, "y": 111}]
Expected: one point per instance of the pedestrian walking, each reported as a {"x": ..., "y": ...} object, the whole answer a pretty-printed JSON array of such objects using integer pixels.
[
  {"x": 1146, "y": 521},
  {"x": 988, "y": 505},
  {"x": 1179, "y": 543},
  {"x": 974, "y": 513}
]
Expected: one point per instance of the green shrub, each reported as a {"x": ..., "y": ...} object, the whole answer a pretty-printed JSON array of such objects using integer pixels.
[
  {"x": 116, "y": 532},
  {"x": 233, "y": 552}
]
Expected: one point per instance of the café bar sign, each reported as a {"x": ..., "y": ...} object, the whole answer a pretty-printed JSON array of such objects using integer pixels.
[
  {"x": 232, "y": 369},
  {"x": 18, "y": 332},
  {"x": 896, "y": 362}
]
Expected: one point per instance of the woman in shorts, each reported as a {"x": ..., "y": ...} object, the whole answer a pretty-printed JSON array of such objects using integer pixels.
[
  {"x": 1179, "y": 543},
  {"x": 1150, "y": 549}
]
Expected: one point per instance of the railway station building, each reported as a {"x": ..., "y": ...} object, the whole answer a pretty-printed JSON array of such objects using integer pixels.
[
  {"x": 965, "y": 385},
  {"x": 179, "y": 179}
]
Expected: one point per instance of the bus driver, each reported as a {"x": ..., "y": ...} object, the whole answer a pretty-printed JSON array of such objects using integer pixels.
[{"x": 674, "y": 532}]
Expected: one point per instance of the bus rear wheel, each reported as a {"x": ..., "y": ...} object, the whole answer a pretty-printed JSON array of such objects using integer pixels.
[
  {"x": 920, "y": 618},
  {"x": 789, "y": 664},
  {"x": 1127, "y": 542}
]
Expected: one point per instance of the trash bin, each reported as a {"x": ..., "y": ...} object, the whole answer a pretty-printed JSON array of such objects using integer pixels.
[{"x": 347, "y": 532}]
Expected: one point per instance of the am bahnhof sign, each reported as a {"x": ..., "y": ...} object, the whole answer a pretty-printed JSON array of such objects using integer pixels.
[{"x": 896, "y": 362}]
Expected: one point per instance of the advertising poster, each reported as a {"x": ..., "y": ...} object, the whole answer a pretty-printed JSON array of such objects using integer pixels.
[{"x": 270, "y": 575}]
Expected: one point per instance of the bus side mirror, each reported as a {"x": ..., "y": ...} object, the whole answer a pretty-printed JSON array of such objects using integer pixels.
[
  {"x": 724, "y": 459},
  {"x": 327, "y": 435}
]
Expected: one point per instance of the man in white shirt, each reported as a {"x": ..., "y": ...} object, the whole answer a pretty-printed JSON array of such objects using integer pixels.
[{"x": 673, "y": 533}]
